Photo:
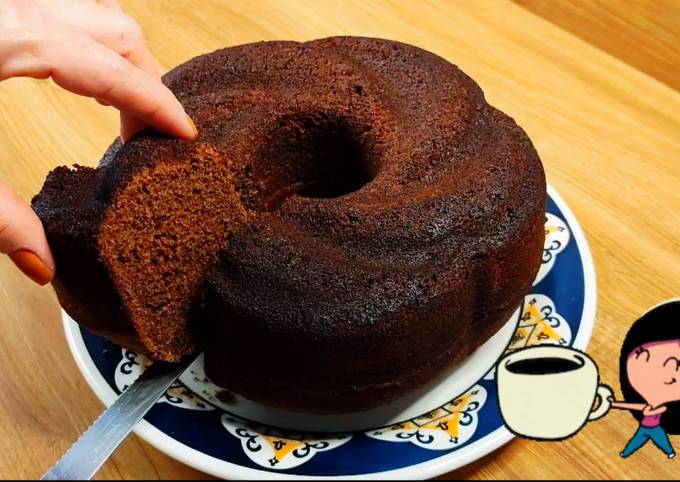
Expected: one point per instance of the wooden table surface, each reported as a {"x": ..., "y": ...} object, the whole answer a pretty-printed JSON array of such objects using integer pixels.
[{"x": 594, "y": 84}]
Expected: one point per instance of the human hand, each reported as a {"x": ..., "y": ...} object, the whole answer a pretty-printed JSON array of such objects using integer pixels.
[{"x": 93, "y": 49}]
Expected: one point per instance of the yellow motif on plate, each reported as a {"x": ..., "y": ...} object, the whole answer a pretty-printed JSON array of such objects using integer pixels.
[
  {"x": 540, "y": 324},
  {"x": 279, "y": 449},
  {"x": 557, "y": 238},
  {"x": 447, "y": 427}
]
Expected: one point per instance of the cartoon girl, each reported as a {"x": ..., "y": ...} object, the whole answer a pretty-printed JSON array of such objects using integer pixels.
[{"x": 649, "y": 371}]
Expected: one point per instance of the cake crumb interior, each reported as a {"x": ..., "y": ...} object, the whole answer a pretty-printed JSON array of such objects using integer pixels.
[{"x": 162, "y": 232}]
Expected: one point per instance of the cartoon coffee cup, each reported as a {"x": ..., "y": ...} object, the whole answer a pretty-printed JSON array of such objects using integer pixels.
[{"x": 548, "y": 392}]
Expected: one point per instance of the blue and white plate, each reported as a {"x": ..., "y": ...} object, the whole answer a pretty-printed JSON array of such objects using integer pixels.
[{"x": 450, "y": 423}]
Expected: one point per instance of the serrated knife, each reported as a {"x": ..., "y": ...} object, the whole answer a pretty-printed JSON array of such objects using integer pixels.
[{"x": 98, "y": 442}]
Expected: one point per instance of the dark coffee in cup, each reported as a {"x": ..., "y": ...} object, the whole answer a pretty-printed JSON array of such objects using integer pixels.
[{"x": 544, "y": 366}]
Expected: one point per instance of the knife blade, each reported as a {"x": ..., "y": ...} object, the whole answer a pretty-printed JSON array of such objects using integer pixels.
[{"x": 98, "y": 442}]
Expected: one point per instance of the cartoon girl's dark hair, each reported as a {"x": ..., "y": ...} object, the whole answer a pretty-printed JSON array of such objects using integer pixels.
[{"x": 662, "y": 323}]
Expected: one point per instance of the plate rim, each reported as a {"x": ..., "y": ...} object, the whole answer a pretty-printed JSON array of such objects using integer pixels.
[{"x": 428, "y": 469}]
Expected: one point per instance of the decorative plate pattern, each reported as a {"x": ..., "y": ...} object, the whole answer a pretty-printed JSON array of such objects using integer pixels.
[
  {"x": 540, "y": 324},
  {"x": 133, "y": 365},
  {"x": 556, "y": 239},
  {"x": 445, "y": 428},
  {"x": 280, "y": 449},
  {"x": 189, "y": 427}
]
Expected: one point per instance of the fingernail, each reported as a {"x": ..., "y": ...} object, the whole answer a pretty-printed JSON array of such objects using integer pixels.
[
  {"x": 193, "y": 125},
  {"x": 32, "y": 266}
]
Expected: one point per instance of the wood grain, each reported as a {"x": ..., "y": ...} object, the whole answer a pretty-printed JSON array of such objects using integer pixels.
[
  {"x": 647, "y": 36},
  {"x": 609, "y": 136}
]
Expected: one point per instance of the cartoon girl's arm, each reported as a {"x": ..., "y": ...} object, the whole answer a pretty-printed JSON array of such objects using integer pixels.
[
  {"x": 628, "y": 406},
  {"x": 650, "y": 412}
]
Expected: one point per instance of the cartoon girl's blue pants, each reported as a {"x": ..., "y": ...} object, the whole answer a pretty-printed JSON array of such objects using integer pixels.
[{"x": 644, "y": 434}]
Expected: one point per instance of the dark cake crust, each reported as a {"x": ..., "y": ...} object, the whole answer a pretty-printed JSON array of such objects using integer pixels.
[{"x": 398, "y": 219}]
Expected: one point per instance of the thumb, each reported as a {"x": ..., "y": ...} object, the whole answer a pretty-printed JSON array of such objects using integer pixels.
[{"x": 22, "y": 237}]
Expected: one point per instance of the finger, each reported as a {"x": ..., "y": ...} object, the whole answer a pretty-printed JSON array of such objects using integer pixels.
[
  {"x": 130, "y": 125},
  {"x": 85, "y": 67},
  {"x": 108, "y": 25},
  {"x": 88, "y": 68},
  {"x": 120, "y": 33},
  {"x": 131, "y": 45},
  {"x": 109, "y": 3},
  {"x": 22, "y": 237}
]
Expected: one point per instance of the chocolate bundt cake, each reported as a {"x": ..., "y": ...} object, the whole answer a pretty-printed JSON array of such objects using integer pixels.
[{"x": 352, "y": 220}]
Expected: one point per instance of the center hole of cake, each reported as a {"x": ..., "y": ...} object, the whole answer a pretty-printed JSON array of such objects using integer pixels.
[
  {"x": 317, "y": 156},
  {"x": 338, "y": 165}
]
